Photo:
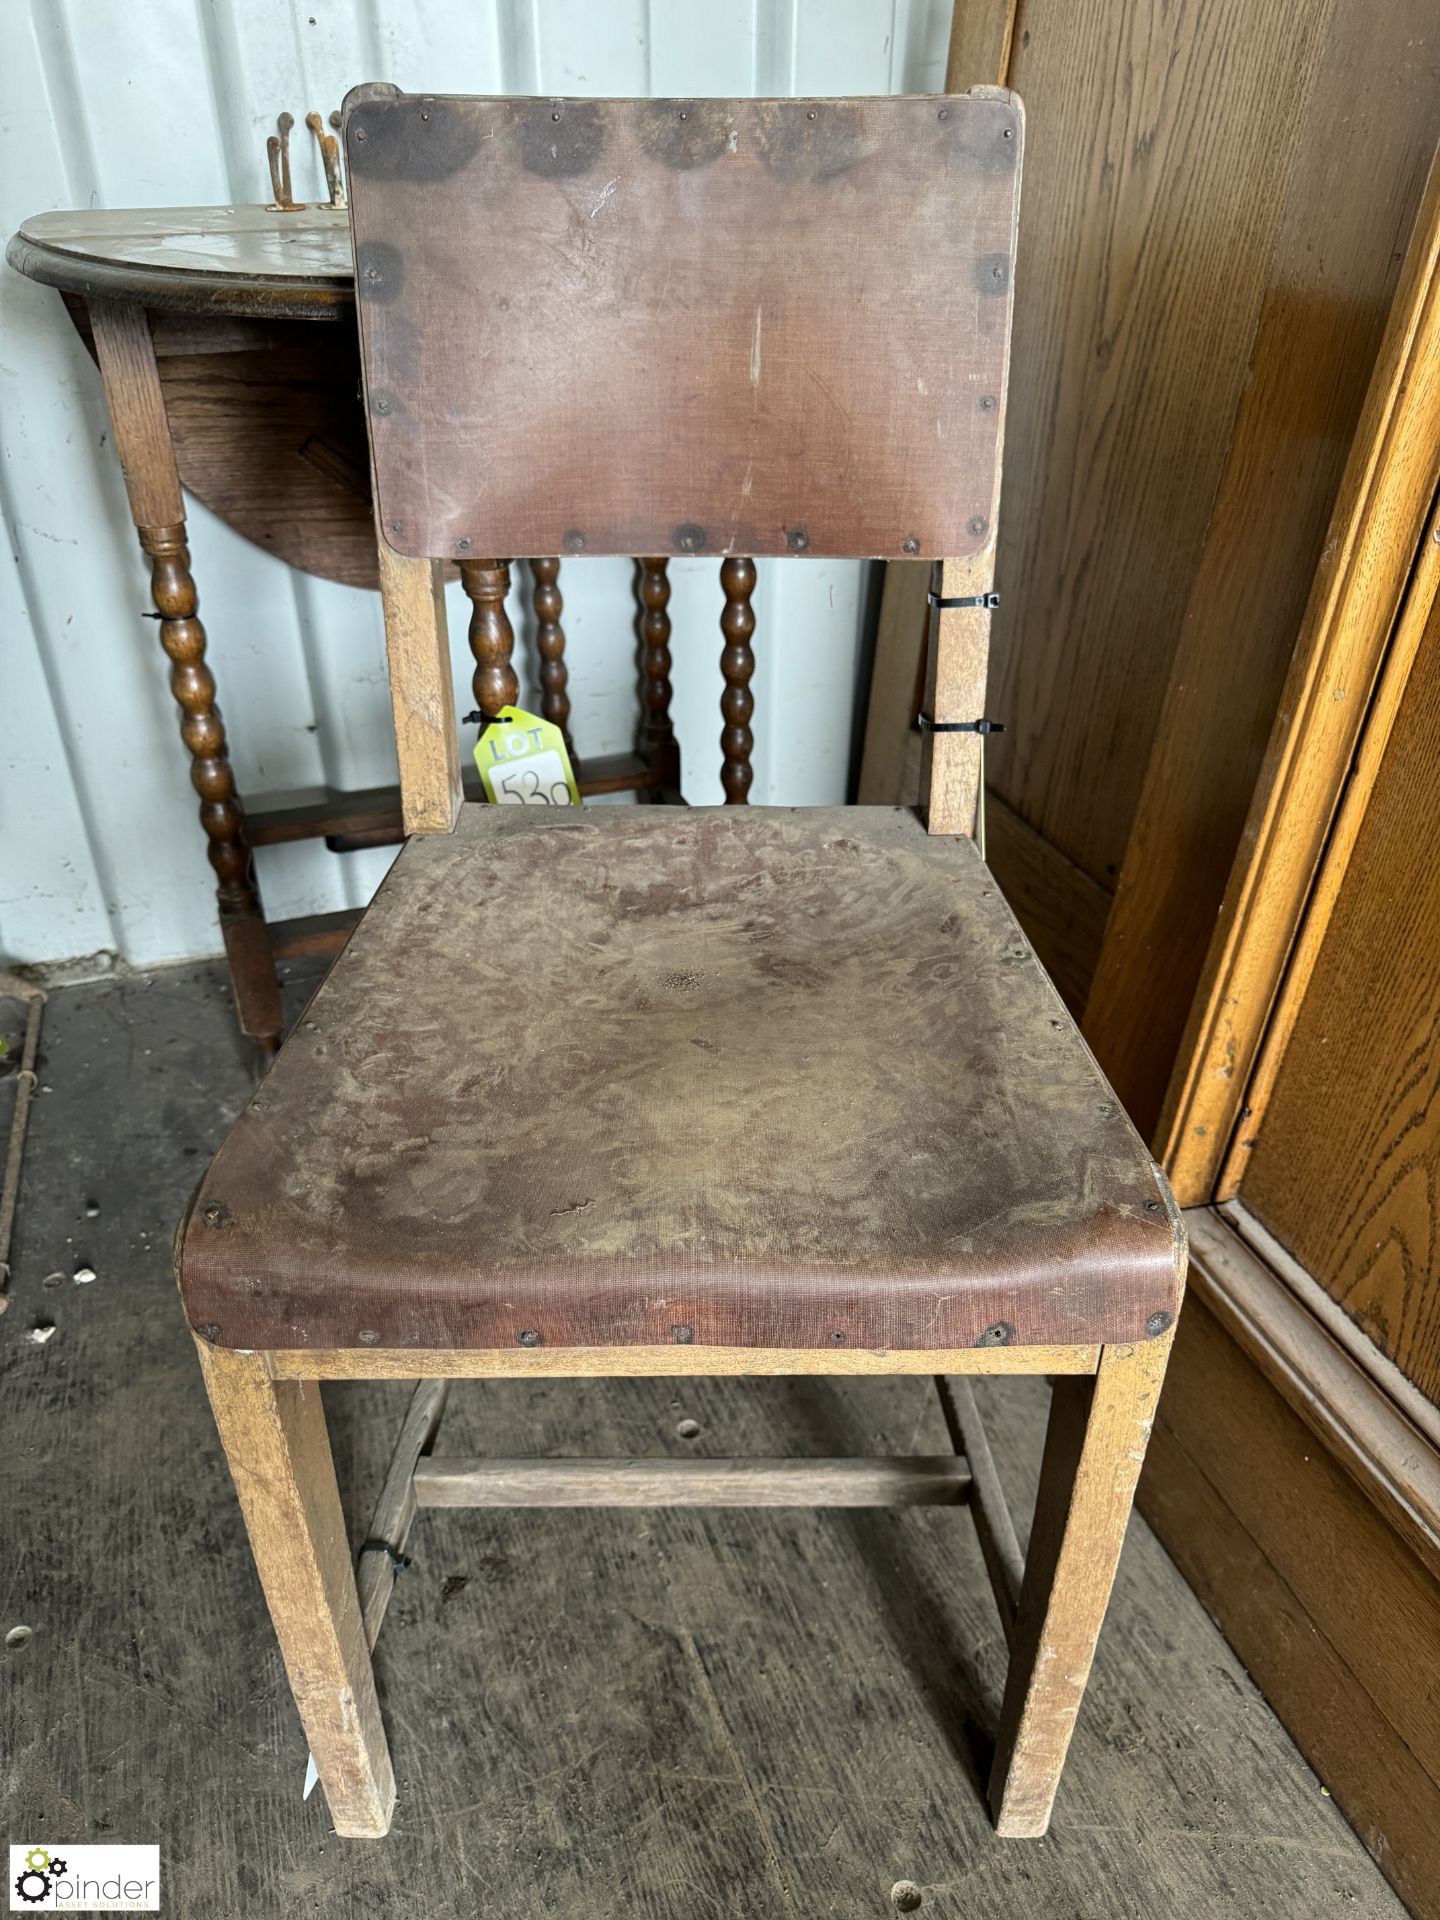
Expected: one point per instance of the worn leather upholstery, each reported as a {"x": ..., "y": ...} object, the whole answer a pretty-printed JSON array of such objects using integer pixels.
[{"x": 733, "y": 1077}]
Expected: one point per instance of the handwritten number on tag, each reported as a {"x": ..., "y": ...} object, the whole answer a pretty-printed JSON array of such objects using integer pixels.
[{"x": 537, "y": 783}]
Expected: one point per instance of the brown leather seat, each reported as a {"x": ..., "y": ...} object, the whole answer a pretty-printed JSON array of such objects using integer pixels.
[{"x": 628, "y": 1076}]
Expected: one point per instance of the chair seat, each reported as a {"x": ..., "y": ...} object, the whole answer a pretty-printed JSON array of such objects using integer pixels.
[{"x": 735, "y": 1077}]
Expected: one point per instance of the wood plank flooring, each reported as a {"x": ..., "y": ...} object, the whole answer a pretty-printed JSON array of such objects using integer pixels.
[{"x": 593, "y": 1715}]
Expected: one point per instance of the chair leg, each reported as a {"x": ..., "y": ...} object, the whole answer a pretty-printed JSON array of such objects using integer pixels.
[
  {"x": 273, "y": 1432},
  {"x": 1099, "y": 1427}
]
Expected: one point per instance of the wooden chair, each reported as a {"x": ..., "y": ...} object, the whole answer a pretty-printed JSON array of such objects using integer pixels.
[{"x": 628, "y": 1091}]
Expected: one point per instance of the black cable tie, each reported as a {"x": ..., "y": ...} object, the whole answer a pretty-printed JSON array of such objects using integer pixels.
[
  {"x": 400, "y": 1561},
  {"x": 927, "y": 725},
  {"x": 970, "y": 600},
  {"x": 483, "y": 720}
]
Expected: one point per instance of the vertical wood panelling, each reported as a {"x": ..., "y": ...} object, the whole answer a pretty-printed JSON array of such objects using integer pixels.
[
  {"x": 1158, "y": 149},
  {"x": 167, "y": 102},
  {"x": 1339, "y": 244}
]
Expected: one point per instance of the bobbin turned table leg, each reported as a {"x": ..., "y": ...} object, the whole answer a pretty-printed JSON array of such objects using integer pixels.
[{"x": 126, "y": 355}]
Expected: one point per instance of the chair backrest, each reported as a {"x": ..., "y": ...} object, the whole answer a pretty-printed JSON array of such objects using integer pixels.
[{"x": 733, "y": 327}]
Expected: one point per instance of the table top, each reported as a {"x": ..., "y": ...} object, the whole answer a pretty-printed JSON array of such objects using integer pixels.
[{"x": 237, "y": 260}]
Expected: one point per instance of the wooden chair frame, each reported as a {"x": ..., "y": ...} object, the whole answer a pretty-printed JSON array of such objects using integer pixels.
[
  {"x": 268, "y": 1409},
  {"x": 1051, "y": 1603}
]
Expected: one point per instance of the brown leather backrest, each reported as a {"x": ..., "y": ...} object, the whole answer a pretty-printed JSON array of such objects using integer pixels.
[{"x": 685, "y": 326}]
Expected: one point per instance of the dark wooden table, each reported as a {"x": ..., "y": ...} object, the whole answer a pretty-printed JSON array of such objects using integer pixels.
[{"x": 203, "y": 323}]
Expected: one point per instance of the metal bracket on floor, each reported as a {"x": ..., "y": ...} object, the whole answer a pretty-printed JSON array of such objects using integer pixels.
[{"x": 14, "y": 988}]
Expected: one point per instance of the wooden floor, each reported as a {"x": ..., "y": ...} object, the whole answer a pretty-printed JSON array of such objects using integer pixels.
[{"x": 592, "y": 1714}]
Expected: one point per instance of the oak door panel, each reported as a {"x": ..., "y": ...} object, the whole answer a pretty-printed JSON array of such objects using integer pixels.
[{"x": 1345, "y": 1169}]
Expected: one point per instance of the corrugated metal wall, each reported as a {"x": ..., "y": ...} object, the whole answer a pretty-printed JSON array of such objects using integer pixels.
[{"x": 167, "y": 102}]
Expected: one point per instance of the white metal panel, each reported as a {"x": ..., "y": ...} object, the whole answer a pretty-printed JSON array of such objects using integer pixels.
[{"x": 168, "y": 102}]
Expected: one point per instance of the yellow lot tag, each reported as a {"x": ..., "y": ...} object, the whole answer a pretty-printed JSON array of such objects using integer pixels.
[{"x": 523, "y": 762}]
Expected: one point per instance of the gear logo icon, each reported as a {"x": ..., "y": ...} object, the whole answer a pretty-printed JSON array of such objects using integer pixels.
[{"x": 41, "y": 1869}]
